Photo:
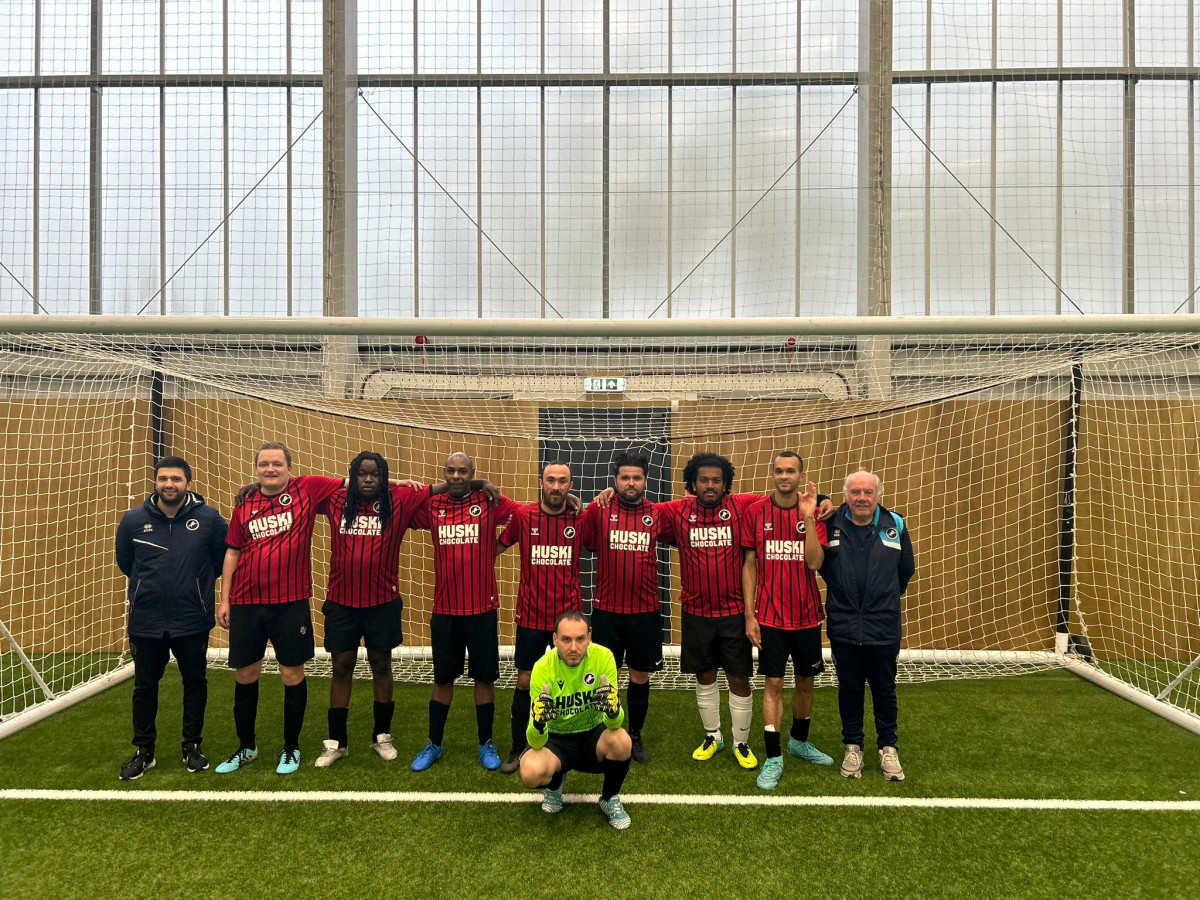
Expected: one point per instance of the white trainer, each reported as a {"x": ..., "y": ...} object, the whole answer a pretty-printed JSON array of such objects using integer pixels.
[
  {"x": 853, "y": 762},
  {"x": 383, "y": 746},
  {"x": 330, "y": 754},
  {"x": 889, "y": 761}
]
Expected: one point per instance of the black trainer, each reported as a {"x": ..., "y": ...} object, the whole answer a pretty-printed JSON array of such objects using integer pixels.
[
  {"x": 511, "y": 764},
  {"x": 135, "y": 767},
  {"x": 640, "y": 753},
  {"x": 194, "y": 758}
]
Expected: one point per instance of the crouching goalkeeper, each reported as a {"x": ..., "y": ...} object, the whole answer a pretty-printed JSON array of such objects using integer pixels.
[{"x": 575, "y": 722}]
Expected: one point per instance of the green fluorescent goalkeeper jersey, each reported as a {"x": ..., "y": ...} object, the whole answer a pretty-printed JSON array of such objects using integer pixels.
[{"x": 572, "y": 688}]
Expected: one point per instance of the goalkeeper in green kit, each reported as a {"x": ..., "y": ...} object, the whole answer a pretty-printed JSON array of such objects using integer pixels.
[{"x": 575, "y": 722}]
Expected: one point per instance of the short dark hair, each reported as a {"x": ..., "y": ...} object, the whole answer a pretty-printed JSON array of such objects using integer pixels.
[
  {"x": 274, "y": 445},
  {"x": 174, "y": 462},
  {"x": 703, "y": 461},
  {"x": 629, "y": 458},
  {"x": 789, "y": 454},
  {"x": 571, "y": 615},
  {"x": 555, "y": 462}
]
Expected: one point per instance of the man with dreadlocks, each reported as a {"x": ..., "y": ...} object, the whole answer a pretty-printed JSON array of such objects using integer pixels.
[{"x": 367, "y": 520}]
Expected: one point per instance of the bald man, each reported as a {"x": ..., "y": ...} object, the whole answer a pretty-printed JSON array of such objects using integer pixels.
[{"x": 463, "y": 629}]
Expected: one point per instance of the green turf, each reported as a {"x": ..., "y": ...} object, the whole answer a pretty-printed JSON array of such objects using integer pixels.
[{"x": 1050, "y": 735}]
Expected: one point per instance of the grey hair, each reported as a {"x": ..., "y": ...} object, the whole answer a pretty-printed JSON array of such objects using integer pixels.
[{"x": 861, "y": 471}]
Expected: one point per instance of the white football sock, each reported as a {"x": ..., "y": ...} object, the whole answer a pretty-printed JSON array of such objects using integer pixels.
[
  {"x": 708, "y": 701},
  {"x": 741, "y": 714}
]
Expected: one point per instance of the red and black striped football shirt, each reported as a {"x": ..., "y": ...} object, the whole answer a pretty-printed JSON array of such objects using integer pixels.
[
  {"x": 787, "y": 595},
  {"x": 549, "y": 563},
  {"x": 709, "y": 541},
  {"x": 274, "y": 535},
  {"x": 364, "y": 561},
  {"x": 625, "y": 541},
  {"x": 463, "y": 533}
]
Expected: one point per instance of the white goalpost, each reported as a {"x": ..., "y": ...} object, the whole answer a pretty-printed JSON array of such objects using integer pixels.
[{"x": 1046, "y": 465}]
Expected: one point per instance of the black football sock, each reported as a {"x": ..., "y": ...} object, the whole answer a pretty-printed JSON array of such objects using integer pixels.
[
  {"x": 485, "y": 717},
  {"x": 245, "y": 713},
  {"x": 295, "y": 701},
  {"x": 556, "y": 781},
  {"x": 383, "y": 718},
  {"x": 771, "y": 741},
  {"x": 638, "y": 697},
  {"x": 520, "y": 718},
  {"x": 437, "y": 721},
  {"x": 799, "y": 729},
  {"x": 615, "y": 771},
  {"x": 337, "y": 724}
]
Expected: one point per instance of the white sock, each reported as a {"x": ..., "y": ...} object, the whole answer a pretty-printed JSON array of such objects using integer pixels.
[
  {"x": 741, "y": 714},
  {"x": 708, "y": 701}
]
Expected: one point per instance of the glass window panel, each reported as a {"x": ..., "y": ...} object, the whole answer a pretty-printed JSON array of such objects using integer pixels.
[
  {"x": 1092, "y": 219},
  {"x": 131, "y": 201},
  {"x": 574, "y": 163},
  {"x": 960, "y": 231},
  {"x": 962, "y": 34},
  {"x": 385, "y": 35},
  {"x": 1092, "y": 33},
  {"x": 828, "y": 36},
  {"x": 1160, "y": 32},
  {"x": 307, "y": 209},
  {"x": 703, "y": 36},
  {"x": 65, "y": 37},
  {"x": 307, "y": 50},
  {"x": 638, "y": 202},
  {"x": 130, "y": 36},
  {"x": 574, "y": 36},
  {"x": 1026, "y": 197},
  {"x": 446, "y": 36},
  {"x": 909, "y": 160},
  {"x": 766, "y": 36},
  {"x": 385, "y": 204},
  {"x": 193, "y": 35},
  {"x": 638, "y": 35},
  {"x": 1027, "y": 33},
  {"x": 63, "y": 202},
  {"x": 257, "y": 35},
  {"x": 194, "y": 141},
  {"x": 908, "y": 35},
  {"x": 511, "y": 203},
  {"x": 701, "y": 163},
  {"x": 1161, "y": 197},
  {"x": 448, "y": 257},
  {"x": 16, "y": 38},
  {"x": 766, "y": 237},
  {"x": 828, "y": 202},
  {"x": 16, "y": 194},
  {"x": 258, "y": 227},
  {"x": 510, "y": 36}
]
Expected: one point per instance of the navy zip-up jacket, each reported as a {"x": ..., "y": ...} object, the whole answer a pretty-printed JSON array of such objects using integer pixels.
[
  {"x": 866, "y": 570},
  {"x": 172, "y": 565}
]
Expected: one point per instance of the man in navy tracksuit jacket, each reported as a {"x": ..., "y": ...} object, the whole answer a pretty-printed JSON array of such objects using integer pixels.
[
  {"x": 171, "y": 548},
  {"x": 868, "y": 564}
]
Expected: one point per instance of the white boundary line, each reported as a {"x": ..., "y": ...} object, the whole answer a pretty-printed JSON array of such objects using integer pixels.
[{"x": 633, "y": 799}]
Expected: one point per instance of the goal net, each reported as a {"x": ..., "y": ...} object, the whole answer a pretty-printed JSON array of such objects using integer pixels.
[{"x": 1049, "y": 481}]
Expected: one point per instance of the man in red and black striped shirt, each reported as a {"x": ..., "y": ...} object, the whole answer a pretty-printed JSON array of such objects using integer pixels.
[
  {"x": 707, "y": 526},
  {"x": 627, "y": 617},
  {"x": 550, "y": 536},
  {"x": 266, "y": 585},
  {"x": 367, "y": 520},
  {"x": 462, "y": 523},
  {"x": 783, "y": 549}
]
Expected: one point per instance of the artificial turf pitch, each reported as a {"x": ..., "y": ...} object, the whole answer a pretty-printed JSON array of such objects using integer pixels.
[{"x": 1041, "y": 736}]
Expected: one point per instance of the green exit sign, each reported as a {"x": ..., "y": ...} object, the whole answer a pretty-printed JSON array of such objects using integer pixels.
[{"x": 605, "y": 385}]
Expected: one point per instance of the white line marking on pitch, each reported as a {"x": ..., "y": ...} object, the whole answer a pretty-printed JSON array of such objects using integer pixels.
[{"x": 631, "y": 799}]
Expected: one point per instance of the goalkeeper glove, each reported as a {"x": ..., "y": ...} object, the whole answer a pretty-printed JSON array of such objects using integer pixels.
[
  {"x": 606, "y": 700},
  {"x": 544, "y": 709}
]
